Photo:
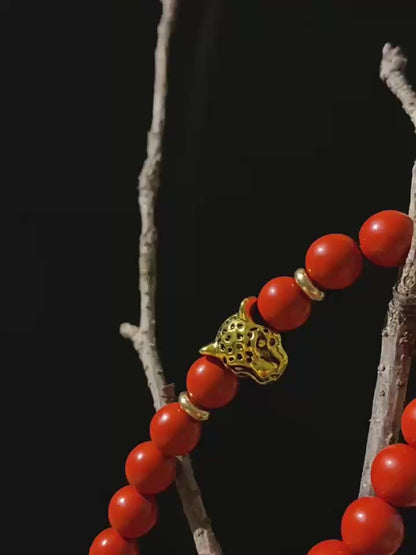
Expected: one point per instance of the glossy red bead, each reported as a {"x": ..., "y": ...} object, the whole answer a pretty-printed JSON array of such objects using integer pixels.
[
  {"x": 173, "y": 431},
  {"x": 385, "y": 238},
  {"x": 109, "y": 542},
  {"x": 283, "y": 305},
  {"x": 132, "y": 514},
  {"x": 148, "y": 470},
  {"x": 330, "y": 547},
  {"x": 393, "y": 475},
  {"x": 370, "y": 526},
  {"x": 409, "y": 423},
  {"x": 334, "y": 261},
  {"x": 210, "y": 385}
]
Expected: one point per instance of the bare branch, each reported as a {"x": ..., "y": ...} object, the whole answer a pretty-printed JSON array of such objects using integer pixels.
[
  {"x": 144, "y": 338},
  {"x": 392, "y": 71},
  {"x": 399, "y": 334}
]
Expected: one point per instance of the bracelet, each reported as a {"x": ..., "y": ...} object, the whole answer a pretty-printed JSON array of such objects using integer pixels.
[{"x": 249, "y": 344}]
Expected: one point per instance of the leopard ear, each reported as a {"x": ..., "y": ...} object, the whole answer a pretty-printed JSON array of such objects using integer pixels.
[
  {"x": 244, "y": 307},
  {"x": 209, "y": 350}
]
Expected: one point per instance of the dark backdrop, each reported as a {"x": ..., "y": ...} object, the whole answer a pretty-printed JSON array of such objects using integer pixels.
[{"x": 278, "y": 131}]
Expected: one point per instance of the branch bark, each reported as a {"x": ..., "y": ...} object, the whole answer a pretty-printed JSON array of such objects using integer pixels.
[
  {"x": 399, "y": 334},
  {"x": 144, "y": 337}
]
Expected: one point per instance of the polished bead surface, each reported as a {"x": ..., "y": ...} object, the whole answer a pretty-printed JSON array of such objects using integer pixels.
[
  {"x": 148, "y": 469},
  {"x": 283, "y": 305},
  {"x": 109, "y": 542},
  {"x": 409, "y": 423},
  {"x": 132, "y": 514},
  {"x": 370, "y": 526},
  {"x": 173, "y": 431},
  {"x": 334, "y": 261},
  {"x": 210, "y": 384},
  {"x": 330, "y": 547},
  {"x": 385, "y": 238},
  {"x": 393, "y": 475}
]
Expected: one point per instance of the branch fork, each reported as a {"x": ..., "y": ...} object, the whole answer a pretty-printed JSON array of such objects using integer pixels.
[{"x": 398, "y": 338}]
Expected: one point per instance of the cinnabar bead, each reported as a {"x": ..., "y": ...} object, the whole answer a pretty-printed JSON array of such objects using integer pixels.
[
  {"x": 109, "y": 542},
  {"x": 409, "y": 423},
  {"x": 283, "y": 305},
  {"x": 370, "y": 526},
  {"x": 393, "y": 475},
  {"x": 132, "y": 514},
  {"x": 330, "y": 547},
  {"x": 210, "y": 385},
  {"x": 385, "y": 238},
  {"x": 173, "y": 431},
  {"x": 148, "y": 469},
  {"x": 334, "y": 261}
]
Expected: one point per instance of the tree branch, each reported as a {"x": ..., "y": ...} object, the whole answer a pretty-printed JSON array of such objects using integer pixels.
[
  {"x": 144, "y": 338},
  {"x": 399, "y": 334}
]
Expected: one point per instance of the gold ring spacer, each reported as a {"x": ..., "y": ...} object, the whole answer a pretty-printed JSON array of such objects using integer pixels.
[
  {"x": 195, "y": 412},
  {"x": 304, "y": 282}
]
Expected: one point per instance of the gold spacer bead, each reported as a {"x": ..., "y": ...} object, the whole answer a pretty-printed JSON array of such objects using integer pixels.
[
  {"x": 304, "y": 282},
  {"x": 195, "y": 412}
]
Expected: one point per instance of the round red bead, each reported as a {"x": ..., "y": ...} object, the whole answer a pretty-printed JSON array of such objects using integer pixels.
[
  {"x": 385, "y": 238},
  {"x": 393, "y": 475},
  {"x": 283, "y": 305},
  {"x": 132, "y": 514},
  {"x": 409, "y": 423},
  {"x": 148, "y": 470},
  {"x": 210, "y": 384},
  {"x": 370, "y": 526},
  {"x": 109, "y": 542},
  {"x": 334, "y": 261},
  {"x": 173, "y": 431},
  {"x": 330, "y": 547}
]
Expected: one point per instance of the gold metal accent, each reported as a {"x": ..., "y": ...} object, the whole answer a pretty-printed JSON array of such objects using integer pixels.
[
  {"x": 304, "y": 282},
  {"x": 191, "y": 409},
  {"x": 248, "y": 349}
]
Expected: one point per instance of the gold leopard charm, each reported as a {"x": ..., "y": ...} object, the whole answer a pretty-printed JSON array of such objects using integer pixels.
[{"x": 248, "y": 349}]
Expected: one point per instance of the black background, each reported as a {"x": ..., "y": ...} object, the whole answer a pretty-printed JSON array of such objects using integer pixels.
[{"x": 278, "y": 131}]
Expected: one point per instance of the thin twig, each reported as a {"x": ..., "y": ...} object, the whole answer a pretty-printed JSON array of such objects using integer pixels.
[
  {"x": 399, "y": 334},
  {"x": 144, "y": 338}
]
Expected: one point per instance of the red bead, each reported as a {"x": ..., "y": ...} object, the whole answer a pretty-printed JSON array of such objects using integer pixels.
[
  {"x": 132, "y": 514},
  {"x": 173, "y": 431},
  {"x": 372, "y": 527},
  {"x": 283, "y": 305},
  {"x": 210, "y": 384},
  {"x": 334, "y": 261},
  {"x": 393, "y": 475},
  {"x": 148, "y": 470},
  {"x": 385, "y": 238},
  {"x": 330, "y": 547},
  {"x": 409, "y": 423},
  {"x": 109, "y": 542}
]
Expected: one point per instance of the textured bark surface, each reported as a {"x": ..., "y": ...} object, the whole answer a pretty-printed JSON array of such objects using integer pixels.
[
  {"x": 399, "y": 334},
  {"x": 144, "y": 337}
]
